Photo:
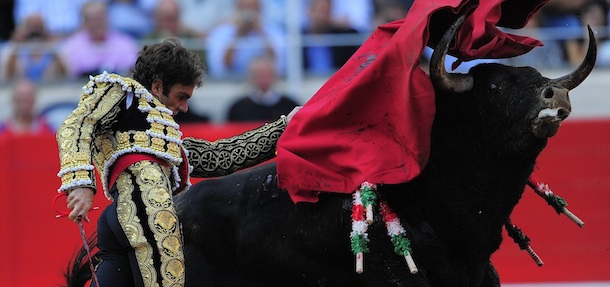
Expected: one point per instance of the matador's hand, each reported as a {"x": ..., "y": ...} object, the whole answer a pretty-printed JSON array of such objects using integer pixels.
[{"x": 79, "y": 201}]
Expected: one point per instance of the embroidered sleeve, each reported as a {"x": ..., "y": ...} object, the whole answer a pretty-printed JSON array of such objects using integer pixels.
[
  {"x": 75, "y": 135},
  {"x": 224, "y": 156}
]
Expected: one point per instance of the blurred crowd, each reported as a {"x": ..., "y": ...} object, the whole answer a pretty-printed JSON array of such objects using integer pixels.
[
  {"x": 49, "y": 41},
  {"x": 66, "y": 39}
]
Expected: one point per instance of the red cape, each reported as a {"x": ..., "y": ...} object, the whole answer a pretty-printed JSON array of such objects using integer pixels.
[{"x": 371, "y": 120}]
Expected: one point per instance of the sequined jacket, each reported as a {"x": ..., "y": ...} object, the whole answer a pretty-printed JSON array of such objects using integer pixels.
[{"x": 117, "y": 115}]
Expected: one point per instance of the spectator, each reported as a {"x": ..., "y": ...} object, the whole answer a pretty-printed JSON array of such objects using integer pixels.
[
  {"x": 320, "y": 58},
  {"x": 356, "y": 14},
  {"x": 274, "y": 12},
  {"x": 262, "y": 101},
  {"x": 390, "y": 10},
  {"x": 168, "y": 22},
  {"x": 132, "y": 17},
  {"x": 97, "y": 48},
  {"x": 204, "y": 15},
  {"x": 560, "y": 19},
  {"x": 549, "y": 56},
  {"x": 562, "y": 13},
  {"x": 32, "y": 53},
  {"x": 23, "y": 119},
  {"x": 595, "y": 14},
  {"x": 62, "y": 17},
  {"x": 233, "y": 45}
]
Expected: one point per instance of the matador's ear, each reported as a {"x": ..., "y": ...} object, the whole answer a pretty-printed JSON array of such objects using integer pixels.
[{"x": 157, "y": 88}]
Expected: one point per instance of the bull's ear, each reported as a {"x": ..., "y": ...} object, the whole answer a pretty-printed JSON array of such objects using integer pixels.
[
  {"x": 451, "y": 82},
  {"x": 575, "y": 78}
]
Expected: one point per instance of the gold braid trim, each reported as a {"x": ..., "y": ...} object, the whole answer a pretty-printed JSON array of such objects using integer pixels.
[
  {"x": 127, "y": 214},
  {"x": 153, "y": 181},
  {"x": 225, "y": 156}
]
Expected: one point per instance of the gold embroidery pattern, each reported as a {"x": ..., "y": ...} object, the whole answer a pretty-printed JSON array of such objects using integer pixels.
[
  {"x": 153, "y": 181},
  {"x": 85, "y": 136},
  {"x": 127, "y": 215},
  {"x": 75, "y": 135},
  {"x": 225, "y": 156}
]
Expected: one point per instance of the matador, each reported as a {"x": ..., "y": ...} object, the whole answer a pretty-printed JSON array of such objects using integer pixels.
[{"x": 123, "y": 128}]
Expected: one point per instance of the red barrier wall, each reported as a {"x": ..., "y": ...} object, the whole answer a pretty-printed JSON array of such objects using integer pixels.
[
  {"x": 36, "y": 247},
  {"x": 576, "y": 165}
]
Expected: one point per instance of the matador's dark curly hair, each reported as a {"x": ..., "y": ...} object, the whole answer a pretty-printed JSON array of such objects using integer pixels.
[{"x": 169, "y": 62}]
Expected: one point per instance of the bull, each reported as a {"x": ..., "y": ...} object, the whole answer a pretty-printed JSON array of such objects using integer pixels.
[{"x": 491, "y": 124}]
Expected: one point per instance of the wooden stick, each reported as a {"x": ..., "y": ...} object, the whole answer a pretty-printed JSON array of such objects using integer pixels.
[
  {"x": 411, "y": 263},
  {"x": 359, "y": 263},
  {"x": 573, "y": 217},
  {"x": 534, "y": 256}
]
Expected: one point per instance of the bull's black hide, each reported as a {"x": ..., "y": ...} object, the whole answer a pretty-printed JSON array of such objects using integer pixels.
[
  {"x": 251, "y": 234},
  {"x": 491, "y": 125}
]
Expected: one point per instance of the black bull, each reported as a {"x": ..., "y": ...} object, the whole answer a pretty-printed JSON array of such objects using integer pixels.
[
  {"x": 490, "y": 126},
  {"x": 242, "y": 230}
]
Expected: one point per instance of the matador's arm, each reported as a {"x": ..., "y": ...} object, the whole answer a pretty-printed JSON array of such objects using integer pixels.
[
  {"x": 75, "y": 135},
  {"x": 225, "y": 156}
]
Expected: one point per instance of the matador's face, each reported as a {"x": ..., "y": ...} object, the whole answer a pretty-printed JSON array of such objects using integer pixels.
[{"x": 176, "y": 99}]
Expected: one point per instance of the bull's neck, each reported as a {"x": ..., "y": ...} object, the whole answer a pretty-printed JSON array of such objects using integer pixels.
[
  {"x": 481, "y": 179},
  {"x": 468, "y": 190}
]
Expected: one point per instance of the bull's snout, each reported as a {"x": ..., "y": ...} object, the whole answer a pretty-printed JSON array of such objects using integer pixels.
[
  {"x": 557, "y": 99},
  {"x": 556, "y": 107},
  {"x": 563, "y": 113}
]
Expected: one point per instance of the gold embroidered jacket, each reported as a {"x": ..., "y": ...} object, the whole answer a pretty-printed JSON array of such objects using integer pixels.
[{"x": 117, "y": 115}]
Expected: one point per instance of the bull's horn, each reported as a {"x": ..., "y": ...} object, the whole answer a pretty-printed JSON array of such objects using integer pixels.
[
  {"x": 452, "y": 82},
  {"x": 574, "y": 79}
]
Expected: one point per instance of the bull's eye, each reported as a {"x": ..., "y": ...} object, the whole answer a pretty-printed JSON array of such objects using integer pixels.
[{"x": 548, "y": 93}]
